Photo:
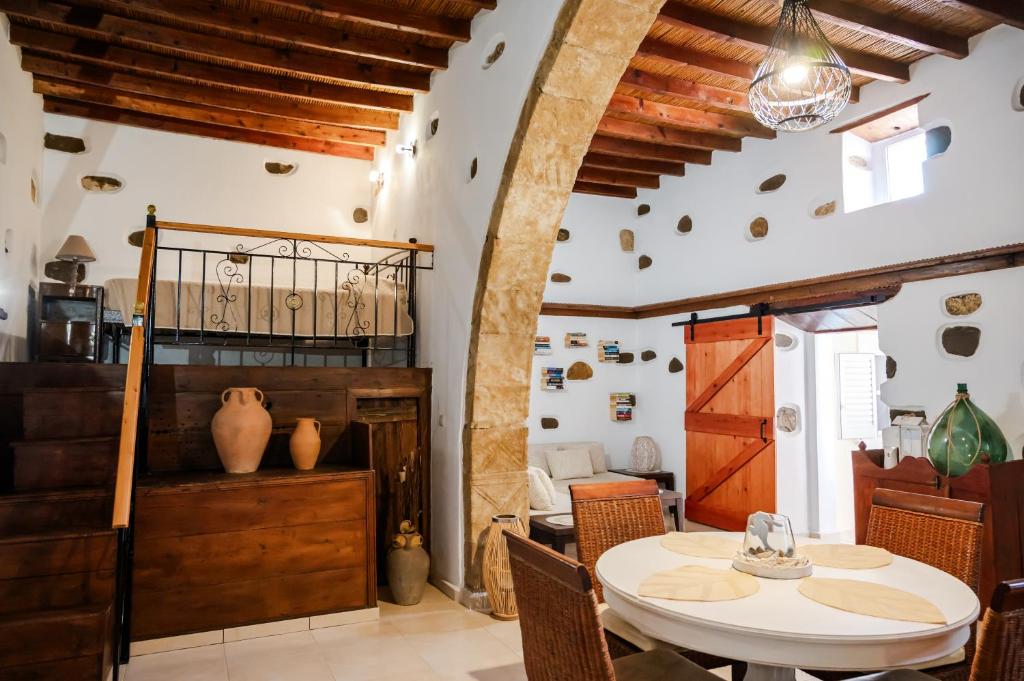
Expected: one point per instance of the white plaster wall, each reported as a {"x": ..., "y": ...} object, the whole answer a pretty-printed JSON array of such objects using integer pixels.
[
  {"x": 926, "y": 378},
  {"x": 432, "y": 198},
  {"x": 21, "y": 162},
  {"x": 791, "y": 450},
  {"x": 189, "y": 179}
]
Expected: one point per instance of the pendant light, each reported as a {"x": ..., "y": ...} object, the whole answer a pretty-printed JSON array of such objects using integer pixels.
[{"x": 802, "y": 83}]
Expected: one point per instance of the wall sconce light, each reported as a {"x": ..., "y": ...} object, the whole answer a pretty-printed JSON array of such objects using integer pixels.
[
  {"x": 407, "y": 149},
  {"x": 377, "y": 178}
]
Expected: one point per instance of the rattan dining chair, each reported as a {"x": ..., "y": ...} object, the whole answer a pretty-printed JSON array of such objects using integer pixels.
[
  {"x": 613, "y": 513},
  {"x": 1000, "y": 651},
  {"x": 561, "y": 628},
  {"x": 943, "y": 533}
]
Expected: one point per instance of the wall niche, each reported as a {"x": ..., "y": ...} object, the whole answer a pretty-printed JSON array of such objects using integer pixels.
[
  {"x": 787, "y": 418},
  {"x": 104, "y": 184},
  {"x": 963, "y": 304},
  {"x": 960, "y": 340},
  {"x": 937, "y": 140},
  {"x": 890, "y": 367}
]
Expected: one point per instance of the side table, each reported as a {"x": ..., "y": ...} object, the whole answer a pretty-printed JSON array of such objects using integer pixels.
[{"x": 665, "y": 479}]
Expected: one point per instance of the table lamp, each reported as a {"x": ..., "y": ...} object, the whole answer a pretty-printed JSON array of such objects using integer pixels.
[{"x": 75, "y": 250}]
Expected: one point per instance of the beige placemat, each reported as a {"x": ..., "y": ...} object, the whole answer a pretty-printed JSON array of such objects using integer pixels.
[
  {"x": 698, "y": 583},
  {"x": 848, "y": 556},
  {"x": 868, "y": 598},
  {"x": 700, "y": 544}
]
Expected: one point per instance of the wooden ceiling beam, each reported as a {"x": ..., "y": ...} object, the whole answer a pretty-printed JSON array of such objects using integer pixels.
[
  {"x": 140, "y": 120},
  {"x": 630, "y": 149},
  {"x": 657, "y": 84},
  {"x": 66, "y": 47},
  {"x": 910, "y": 32},
  {"x": 93, "y": 24},
  {"x": 692, "y": 119},
  {"x": 636, "y": 165},
  {"x": 287, "y": 33},
  {"x": 1004, "y": 11},
  {"x": 760, "y": 37},
  {"x": 204, "y": 114},
  {"x": 477, "y": 4},
  {"x": 383, "y": 16},
  {"x": 604, "y": 190},
  {"x": 617, "y": 178},
  {"x": 642, "y": 132},
  {"x": 684, "y": 56},
  {"x": 198, "y": 94}
]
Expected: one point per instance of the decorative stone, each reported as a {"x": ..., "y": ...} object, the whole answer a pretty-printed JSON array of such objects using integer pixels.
[
  {"x": 784, "y": 341},
  {"x": 858, "y": 161},
  {"x": 626, "y": 358},
  {"x": 435, "y": 122},
  {"x": 33, "y": 189},
  {"x": 278, "y": 168},
  {"x": 360, "y": 215},
  {"x": 890, "y": 367},
  {"x": 238, "y": 258},
  {"x": 937, "y": 140},
  {"x": 648, "y": 355},
  {"x": 136, "y": 237},
  {"x": 675, "y": 365},
  {"x": 64, "y": 271},
  {"x": 495, "y": 54},
  {"x": 963, "y": 304},
  {"x": 685, "y": 225},
  {"x": 69, "y": 145},
  {"x": 759, "y": 228},
  {"x": 563, "y": 234},
  {"x": 626, "y": 239},
  {"x": 100, "y": 183},
  {"x": 645, "y": 261},
  {"x": 548, "y": 422},
  {"x": 643, "y": 209},
  {"x": 772, "y": 184},
  {"x": 473, "y": 166},
  {"x": 787, "y": 419},
  {"x": 825, "y": 209},
  {"x": 961, "y": 341},
  {"x": 579, "y": 371},
  {"x": 560, "y": 278}
]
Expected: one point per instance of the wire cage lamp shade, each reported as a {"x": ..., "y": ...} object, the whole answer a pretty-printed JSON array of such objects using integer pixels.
[{"x": 802, "y": 82}]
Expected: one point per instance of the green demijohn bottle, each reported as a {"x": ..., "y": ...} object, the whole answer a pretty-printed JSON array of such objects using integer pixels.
[{"x": 963, "y": 436}]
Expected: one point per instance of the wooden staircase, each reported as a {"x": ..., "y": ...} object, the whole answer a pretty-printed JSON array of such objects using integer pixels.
[{"x": 58, "y": 553}]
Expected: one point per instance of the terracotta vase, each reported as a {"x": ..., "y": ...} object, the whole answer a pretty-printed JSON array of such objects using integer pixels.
[
  {"x": 408, "y": 566},
  {"x": 305, "y": 443},
  {"x": 497, "y": 572},
  {"x": 241, "y": 429}
]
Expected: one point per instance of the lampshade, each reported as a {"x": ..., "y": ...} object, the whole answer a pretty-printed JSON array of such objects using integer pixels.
[
  {"x": 76, "y": 249},
  {"x": 802, "y": 82}
]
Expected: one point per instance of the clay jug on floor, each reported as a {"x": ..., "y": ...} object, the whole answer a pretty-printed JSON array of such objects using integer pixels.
[
  {"x": 305, "y": 443},
  {"x": 241, "y": 429},
  {"x": 408, "y": 566}
]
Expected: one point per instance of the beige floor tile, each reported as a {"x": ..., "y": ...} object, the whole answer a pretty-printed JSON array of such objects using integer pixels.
[
  {"x": 509, "y": 634},
  {"x": 439, "y": 622},
  {"x": 513, "y": 672},
  {"x": 195, "y": 664},
  {"x": 459, "y": 652},
  {"x": 355, "y": 635},
  {"x": 371, "y": 661},
  {"x": 288, "y": 657},
  {"x": 433, "y": 601}
]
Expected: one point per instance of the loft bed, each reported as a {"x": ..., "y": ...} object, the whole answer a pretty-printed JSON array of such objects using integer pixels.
[{"x": 280, "y": 295}]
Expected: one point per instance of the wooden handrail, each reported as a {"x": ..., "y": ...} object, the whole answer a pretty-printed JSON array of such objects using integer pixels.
[{"x": 277, "y": 234}]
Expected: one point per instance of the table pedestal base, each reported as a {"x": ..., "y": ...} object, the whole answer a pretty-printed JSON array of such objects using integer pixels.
[{"x": 763, "y": 672}]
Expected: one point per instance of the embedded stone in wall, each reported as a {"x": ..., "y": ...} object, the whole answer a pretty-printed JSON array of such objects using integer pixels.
[
  {"x": 65, "y": 143},
  {"x": 644, "y": 261},
  {"x": 238, "y": 258},
  {"x": 643, "y": 209},
  {"x": 685, "y": 225},
  {"x": 963, "y": 304},
  {"x": 648, "y": 355},
  {"x": 890, "y": 367},
  {"x": 784, "y": 341},
  {"x": 360, "y": 215},
  {"x": 563, "y": 234},
  {"x": 937, "y": 140},
  {"x": 759, "y": 228},
  {"x": 495, "y": 53},
  {"x": 579, "y": 371},
  {"x": 787, "y": 419},
  {"x": 135, "y": 238},
  {"x": 278, "y": 168},
  {"x": 825, "y": 209},
  {"x": 626, "y": 240},
  {"x": 675, "y": 365},
  {"x": 772, "y": 184},
  {"x": 548, "y": 422},
  {"x": 473, "y": 166},
  {"x": 64, "y": 271},
  {"x": 961, "y": 341},
  {"x": 857, "y": 161},
  {"x": 560, "y": 278},
  {"x": 435, "y": 123},
  {"x": 626, "y": 358},
  {"x": 101, "y": 183}
]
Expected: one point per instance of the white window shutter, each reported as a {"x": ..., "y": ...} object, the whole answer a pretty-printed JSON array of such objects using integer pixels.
[{"x": 858, "y": 396}]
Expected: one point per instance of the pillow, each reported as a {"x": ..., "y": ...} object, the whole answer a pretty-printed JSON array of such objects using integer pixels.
[
  {"x": 537, "y": 456},
  {"x": 541, "y": 489},
  {"x": 572, "y": 462},
  {"x": 597, "y": 457}
]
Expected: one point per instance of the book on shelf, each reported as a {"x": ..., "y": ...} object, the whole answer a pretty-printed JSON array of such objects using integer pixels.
[
  {"x": 621, "y": 406},
  {"x": 608, "y": 351},
  {"x": 576, "y": 339},
  {"x": 542, "y": 345},
  {"x": 552, "y": 378}
]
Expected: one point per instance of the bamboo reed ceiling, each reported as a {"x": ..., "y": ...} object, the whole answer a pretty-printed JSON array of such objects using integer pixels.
[
  {"x": 687, "y": 86},
  {"x": 328, "y": 76}
]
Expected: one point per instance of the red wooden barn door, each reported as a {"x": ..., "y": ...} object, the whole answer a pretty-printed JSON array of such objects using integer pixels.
[{"x": 730, "y": 421}]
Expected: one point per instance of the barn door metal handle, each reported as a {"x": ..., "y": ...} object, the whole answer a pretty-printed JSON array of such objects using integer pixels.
[{"x": 764, "y": 424}]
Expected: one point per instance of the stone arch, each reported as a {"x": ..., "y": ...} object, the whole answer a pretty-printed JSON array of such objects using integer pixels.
[{"x": 590, "y": 49}]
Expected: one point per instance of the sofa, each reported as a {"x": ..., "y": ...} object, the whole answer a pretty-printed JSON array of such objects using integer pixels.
[{"x": 537, "y": 456}]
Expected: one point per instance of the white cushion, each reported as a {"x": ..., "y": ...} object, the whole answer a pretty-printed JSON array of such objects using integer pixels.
[
  {"x": 568, "y": 463},
  {"x": 611, "y": 621},
  {"x": 537, "y": 454},
  {"x": 541, "y": 489}
]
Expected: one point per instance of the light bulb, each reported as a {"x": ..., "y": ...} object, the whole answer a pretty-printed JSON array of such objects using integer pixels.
[
  {"x": 376, "y": 177},
  {"x": 795, "y": 73}
]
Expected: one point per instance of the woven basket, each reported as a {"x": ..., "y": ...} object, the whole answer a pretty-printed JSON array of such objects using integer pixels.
[{"x": 496, "y": 571}]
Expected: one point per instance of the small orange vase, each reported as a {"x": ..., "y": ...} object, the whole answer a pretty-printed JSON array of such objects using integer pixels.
[{"x": 305, "y": 444}]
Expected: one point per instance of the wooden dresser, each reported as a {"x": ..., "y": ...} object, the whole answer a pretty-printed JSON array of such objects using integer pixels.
[{"x": 999, "y": 487}]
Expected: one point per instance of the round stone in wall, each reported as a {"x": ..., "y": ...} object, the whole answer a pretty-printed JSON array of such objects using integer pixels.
[
  {"x": 685, "y": 225},
  {"x": 563, "y": 234},
  {"x": 279, "y": 168},
  {"x": 825, "y": 209},
  {"x": 890, "y": 367},
  {"x": 626, "y": 358},
  {"x": 772, "y": 184},
  {"x": 644, "y": 261},
  {"x": 961, "y": 341},
  {"x": 360, "y": 215},
  {"x": 560, "y": 278},
  {"x": 675, "y": 365},
  {"x": 759, "y": 228},
  {"x": 648, "y": 355},
  {"x": 787, "y": 419},
  {"x": 101, "y": 183},
  {"x": 473, "y": 166},
  {"x": 548, "y": 422},
  {"x": 135, "y": 238},
  {"x": 963, "y": 304},
  {"x": 626, "y": 240},
  {"x": 643, "y": 209},
  {"x": 579, "y": 371}
]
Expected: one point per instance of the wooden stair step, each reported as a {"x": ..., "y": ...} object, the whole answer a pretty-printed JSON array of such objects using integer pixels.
[
  {"x": 86, "y": 508},
  {"x": 51, "y": 635},
  {"x": 88, "y": 667},
  {"x": 71, "y": 412},
  {"x": 66, "y": 462}
]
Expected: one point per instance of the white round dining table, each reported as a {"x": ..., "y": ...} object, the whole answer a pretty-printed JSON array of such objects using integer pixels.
[{"x": 777, "y": 629}]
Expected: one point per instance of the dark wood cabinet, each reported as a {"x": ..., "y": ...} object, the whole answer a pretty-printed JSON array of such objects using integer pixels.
[
  {"x": 999, "y": 487},
  {"x": 68, "y": 323}
]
